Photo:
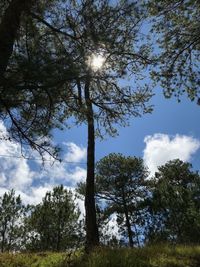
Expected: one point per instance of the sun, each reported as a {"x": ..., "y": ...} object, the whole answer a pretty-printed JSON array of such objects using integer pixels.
[{"x": 96, "y": 62}]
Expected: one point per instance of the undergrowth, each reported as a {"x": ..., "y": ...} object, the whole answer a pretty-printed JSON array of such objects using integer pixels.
[
  {"x": 31, "y": 259},
  {"x": 151, "y": 256}
]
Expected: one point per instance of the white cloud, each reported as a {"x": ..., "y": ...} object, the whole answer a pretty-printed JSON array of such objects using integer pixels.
[
  {"x": 62, "y": 173},
  {"x": 161, "y": 148},
  {"x": 14, "y": 172},
  {"x": 112, "y": 227},
  {"x": 78, "y": 175},
  {"x": 32, "y": 183},
  {"x": 66, "y": 171},
  {"x": 81, "y": 206},
  {"x": 75, "y": 153},
  {"x": 35, "y": 194}
]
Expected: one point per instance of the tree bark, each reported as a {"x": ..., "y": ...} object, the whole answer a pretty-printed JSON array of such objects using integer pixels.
[
  {"x": 137, "y": 236},
  {"x": 3, "y": 234},
  {"x": 9, "y": 27},
  {"x": 128, "y": 225},
  {"x": 92, "y": 235}
]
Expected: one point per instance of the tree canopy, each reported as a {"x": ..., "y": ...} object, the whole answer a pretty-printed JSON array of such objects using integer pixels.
[
  {"x": 54, "y": 222},
  {"x": 11, "y": 221},
  {"x": 119, "y": 189},
  {"x": 120, "y": 182},
  {"x": 176, "y": 25},
  {"x": 26, "y": 106},
  {"x": 175, "y": 204}
]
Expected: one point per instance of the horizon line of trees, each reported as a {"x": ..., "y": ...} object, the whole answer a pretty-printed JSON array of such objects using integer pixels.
[{"x": 161, "y": 208}]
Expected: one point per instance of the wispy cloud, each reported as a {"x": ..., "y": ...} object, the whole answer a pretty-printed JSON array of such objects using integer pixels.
[{"x": 75, "y": 153}]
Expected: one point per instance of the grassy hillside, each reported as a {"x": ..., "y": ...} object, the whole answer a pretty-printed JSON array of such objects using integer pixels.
[
  {"x": 31, "y": 259},
  {"x": 154, "y": 256}
]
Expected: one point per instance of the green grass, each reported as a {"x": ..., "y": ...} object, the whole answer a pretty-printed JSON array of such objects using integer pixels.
[
  {"x": 31, "y": 259},
  {"x": 152, "y": 256}
]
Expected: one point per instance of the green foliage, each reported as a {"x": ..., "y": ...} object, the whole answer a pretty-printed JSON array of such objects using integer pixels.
[
  {"x": 53, "y": 224},
  {"x": 50, "y": 76},
  {"x": 176, "y": 25},
  {"x": 175, "y": 205},
  {"x": 118, "y": 176},
  {"x": 28, "y": 108},
  {"x": 120, "y": 189},
  {"x": 11, "y": 221},
  {"x": 94, "y": 28},
  {"x": 48, "y": 67},
  {"x": 120, "y": 182}
]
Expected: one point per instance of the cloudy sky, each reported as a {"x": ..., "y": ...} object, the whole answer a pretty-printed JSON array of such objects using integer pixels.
[{"x": 171, "y": 131}]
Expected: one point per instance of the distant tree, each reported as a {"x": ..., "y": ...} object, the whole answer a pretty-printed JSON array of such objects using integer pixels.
[
  {"x": 176, "y": 25},
  {"x": 53, "y": 224},
  {"x": 120, "y": 184},
  {"x": 175, "y": 204},
  {"x": 11, "y": 221}
]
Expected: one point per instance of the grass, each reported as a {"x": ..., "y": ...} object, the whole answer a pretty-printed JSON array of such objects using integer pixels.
[
  {"x": 152, "y": 256},
  {"x": 31, "y": 259}
]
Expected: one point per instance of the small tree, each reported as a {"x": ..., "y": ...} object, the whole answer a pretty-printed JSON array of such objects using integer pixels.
[
  {"x": 120, "y": 188},
  {"x": 53, "y": 224},
  {"x": 175, "y": 204},
  {"x": 11, "y": 224},
  {"x": 121, "y": 183}
]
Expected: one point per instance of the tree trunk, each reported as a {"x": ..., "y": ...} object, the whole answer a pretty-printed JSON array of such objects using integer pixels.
[
  {"x": 92, "y": 235},
  {"x": 137, "y": 235},
  {"x": 9, "y": 26},
  {"x": 128, "y": 225},
  {"x": 59, "y": 222},
  {"x": 3, "y": 235},
  {"x": 2, "y": 242}
]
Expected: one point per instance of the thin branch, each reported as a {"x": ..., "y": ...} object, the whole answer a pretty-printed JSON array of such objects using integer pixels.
[{"x": 52, "y": 27}]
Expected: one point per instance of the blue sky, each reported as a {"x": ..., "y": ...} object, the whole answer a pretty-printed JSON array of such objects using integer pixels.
[
  {"x": 171, "y": 131},
  {"x": 168, "y": 118}
]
